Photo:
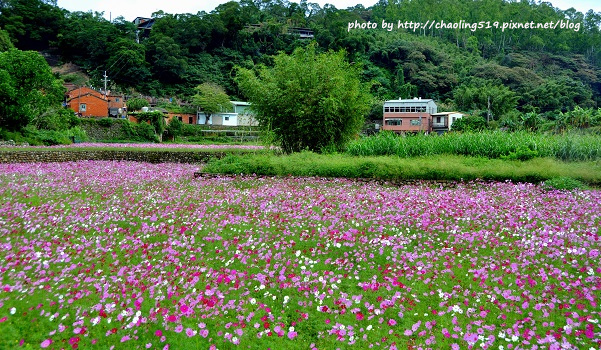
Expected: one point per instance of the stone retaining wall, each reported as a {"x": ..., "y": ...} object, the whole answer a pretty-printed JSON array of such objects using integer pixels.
[{"x": 26, "y": 156}]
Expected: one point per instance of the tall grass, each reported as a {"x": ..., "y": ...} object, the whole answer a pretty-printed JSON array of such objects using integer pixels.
[
  {"x": 497, "y": 144},
  {"x": 437, "y": 167}
]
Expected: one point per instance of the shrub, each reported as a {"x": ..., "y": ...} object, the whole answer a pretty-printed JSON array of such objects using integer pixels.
[{"x": 174, "y": 129}]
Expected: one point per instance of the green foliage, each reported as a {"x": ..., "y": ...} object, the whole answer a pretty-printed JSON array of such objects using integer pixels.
[
  {"x": 127, "y": 64},
  {"x": 77, "y": 134},
  {"x": 516, "y": 146},
  {"x": 500, "y": 99},
  {"x": 57, "y": 119},
  {"x": 211, "y": 98},
  {"x": 32, "y": 24},
  {"x": 539, "y": 71},
  {"x": 136, "y": 104},
  {"x": 52, "y": 137},
  {"x": 174, "y": 128},
  {"x": 79, "y": 79},
  {"x": 27, "y": 88},
  {"x": 174, "y": 107},
  {"x": 86, "y": 40},
  {"x": 564, "y": 183},
  {"x": 156, "y": 120},
  {"x": 143, "y": 132},
  {"x": 105, "y": 122},
  {"x": 309, "y": 100},
  {"x": 446, "y": 167},
  {"x": 521, "y": 153},
  {"x": 469, "y": 123},
  {"x": 5, "y": 43},
  {"x": 111, "y": 129},
  {"x": 166, "y": 58},
  {"x": 34, "y": 136}
]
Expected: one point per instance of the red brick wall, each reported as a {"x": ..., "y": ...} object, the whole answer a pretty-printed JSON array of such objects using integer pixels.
[
  {"x": 185, "y": 117},
  {"x": 95, "y": 107},
  {"x": 113, "y": 103}
]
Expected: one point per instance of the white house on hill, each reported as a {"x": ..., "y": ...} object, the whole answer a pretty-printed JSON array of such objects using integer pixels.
[{"x": 239, "y": 115}]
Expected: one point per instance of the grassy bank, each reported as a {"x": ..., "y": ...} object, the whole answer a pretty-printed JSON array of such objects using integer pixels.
[
  {"x": 438, "y": 167},
  {"x": 501, "y": 145}
]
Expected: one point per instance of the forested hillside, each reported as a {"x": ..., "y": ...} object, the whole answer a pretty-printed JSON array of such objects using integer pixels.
[{"x": 511, "y": 71}]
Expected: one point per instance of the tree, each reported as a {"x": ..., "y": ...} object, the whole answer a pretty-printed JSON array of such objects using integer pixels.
[
  {"x": 309, "y": 100},
  {"x": 174, "y": 128},
  {"x": 211, "y": 98},
  {"x": 27, "y": 88},
  {"x": 469, "y": 124},
  {"x": 5, "y": 43},
  {"x": 498, "y": 99},
  {"x": 32, "y": 24},
  {"x": 136, "y": 104},
  {"x": 156, "y": 120}
]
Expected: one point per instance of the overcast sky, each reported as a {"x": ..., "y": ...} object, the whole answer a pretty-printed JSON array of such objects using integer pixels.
[{"x": 131, "y": 9}]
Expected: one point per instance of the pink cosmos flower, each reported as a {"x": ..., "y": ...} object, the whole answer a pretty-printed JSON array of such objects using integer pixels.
[{"x": 46, "y": 343}]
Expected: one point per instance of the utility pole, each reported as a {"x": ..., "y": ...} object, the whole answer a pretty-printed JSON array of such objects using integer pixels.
[
  {"x": 105, "y": 81},
  {"x": 488, "y": 114}
]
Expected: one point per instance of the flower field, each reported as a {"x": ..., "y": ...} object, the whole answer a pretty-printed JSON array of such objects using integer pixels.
[
  {"x": 126, "y": 255},
  {"x": 150, "y": 146}
]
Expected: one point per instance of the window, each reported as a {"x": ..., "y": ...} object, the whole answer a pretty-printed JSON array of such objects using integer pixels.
[
  {"x": 454, "y": 118},
  {"x": 190, "y": 120},
  {"x": 82, "y": 107},
  {"x": 438, "y": 120},
  {"x": 117, "y": 99},
  {"x": 397, "y": 109},
  {"x": 227, "y": 118},
  {"x": 412, "y": 109},
  {"x": 386, "y": 109},
  {"x": 180, "y": 118},
  {"x": 394, "y": 121},
  {"x": 416, "y": 122}
]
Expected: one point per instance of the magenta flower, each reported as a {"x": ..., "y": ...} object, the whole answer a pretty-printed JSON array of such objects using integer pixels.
[{"x": 46, "y": 343}]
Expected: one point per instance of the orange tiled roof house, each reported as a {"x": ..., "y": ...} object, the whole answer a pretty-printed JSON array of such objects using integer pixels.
[{"x": 87, "y": 102}]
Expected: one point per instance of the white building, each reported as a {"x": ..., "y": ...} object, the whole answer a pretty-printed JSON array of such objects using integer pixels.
[
  {"x": 239, "y": 115},
  {"x": 443, "y": 121}
]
